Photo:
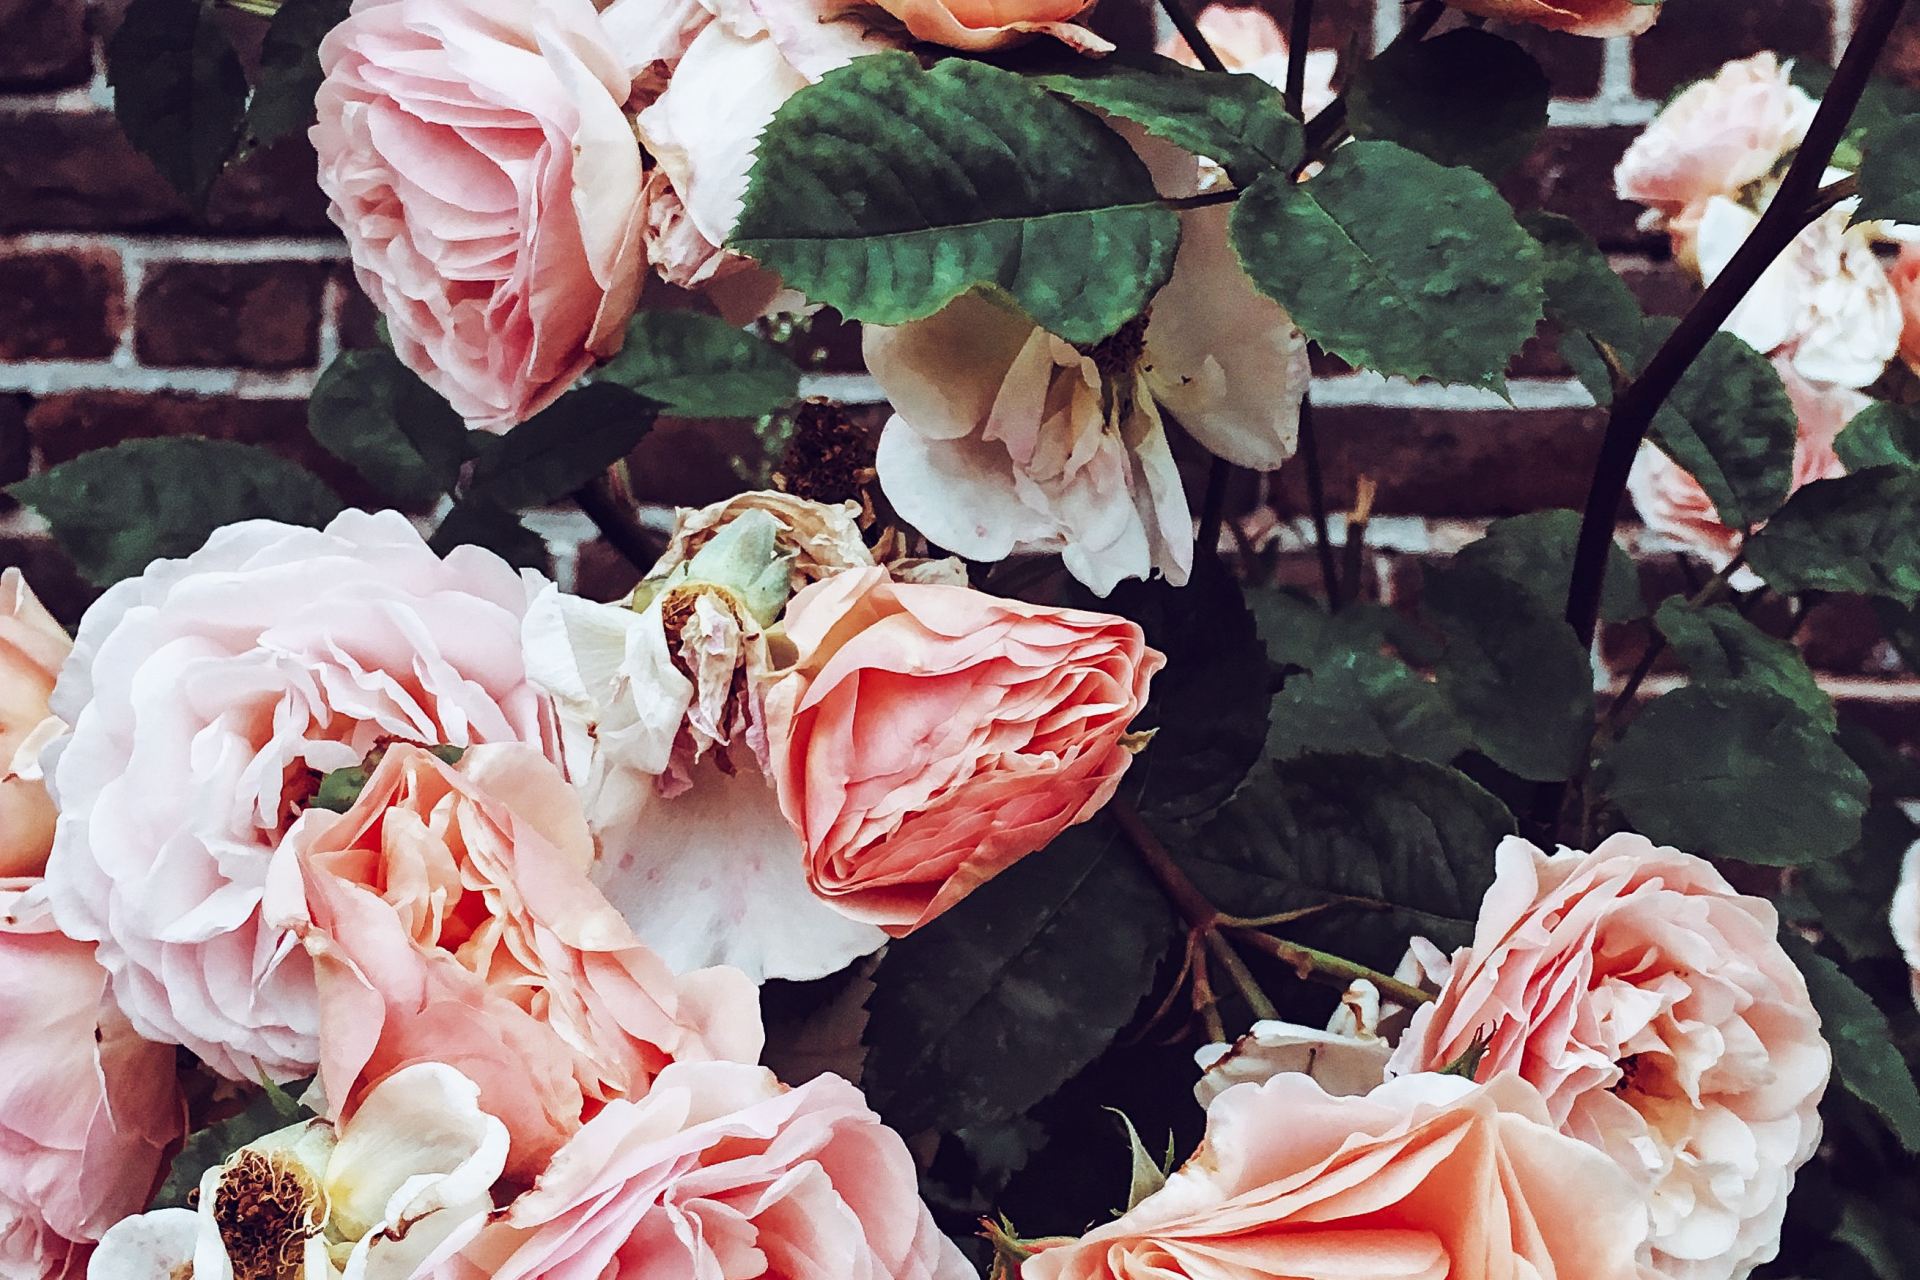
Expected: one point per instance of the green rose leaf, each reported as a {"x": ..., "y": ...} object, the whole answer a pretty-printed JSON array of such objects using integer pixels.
[
  {"x": 179, "y": 90},
  {"x": 1722, "y": 648},
  {"x": 1513, "y": 671},
  {"x": 1414, "y": 836},
  {"x": 1848, "y": 895},
  {"x": 272, "y": 1110},
  {"x": 376, "y": 415},
  {"x": 1238, "y": 121},
  {"x": 699, "y": 366},
  {"x": 1889, "y": 171},
  {"x": 1585, "y": 295},
  {"x": 476, "y": 522},
  {"x": 1881, "y": 435},
  {"x": 290, "y": 76},
  {"x": 1395, "y": 263},
  {"x": 1730, "y": 424},
  {"x": 1857, "y": 534},
  {"x": 1535, "y": 551},
  {"x": 1464, "y": 97},
  {"x": 1736, "y": 772},
  {"x": 887, "y": 191},
  {"x": 115, "y": 511},
  {"x": 1865, "y": 1059},
  {"x": 572, "y": 441},
  {"x": 1364, "y": 701},
  {"x": 993, "y": 1005}
]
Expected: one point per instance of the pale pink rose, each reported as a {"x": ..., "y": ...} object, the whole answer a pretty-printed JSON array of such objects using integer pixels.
[
  {"x": 719, "y": 1171},
  {"x": 208, "y": 697},
  {"x": 1655, "y": 1011},
  {"x": 481, "y": 164},
  {"x": 1005, "y": 439},
  {"x": 1671, "y": 503},
  {"x": 32, "y": 647},
  {"x": 927, "y": 737},
  {"x": 1580, "y": 17},
  {"x": 86, "y": 1106},
  {"x": 1249, "y": 40},
  {"x": 1904, "y": 275},
  {"x": 451, "y": 918},
  {"x": 1904, "y": 916},
  {"x": 1423, "y": 1178},
  {"x": 1716, "y": 137}
]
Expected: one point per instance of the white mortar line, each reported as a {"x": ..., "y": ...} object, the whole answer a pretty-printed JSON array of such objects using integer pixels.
[
  {"x": 186, "y": 248},
  {"x": 57, "y": 377},
  {"x": 1372, "y": 389},
  {"x": 843, "y": 388}
]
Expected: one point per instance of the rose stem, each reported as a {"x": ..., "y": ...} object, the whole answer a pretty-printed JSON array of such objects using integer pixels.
[
  {"x": 1317, "y": 498},
  {"x": 1307, "y": 961},
  {"x": 1330, "y": 124},
  {"x": 616, "y": 522},
  {"x": 1189, "y": 29}
]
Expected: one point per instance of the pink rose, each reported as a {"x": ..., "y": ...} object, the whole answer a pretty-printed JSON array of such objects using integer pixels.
[
  {"x": 208, "y": 697},
  {"x": 32, "y": 647},
  {"x": 1581, "y": 17},
  {"x": 1653, "y": 1008},
  {"x": 979, "y": 25},
  {"x": 1250, "y": 40},
  {"x": 927, "y": 737},
  {"x": 1672, "y": 504},
  {"x": 86, "y": 1106},
  {"x": 719, "y": 1171},
  {"x": 1715, "y": 138},
  {"x": 481, "y": 164},
  {"x": 451, "y": 919},
  {"x": 1904, "y": 916},
  {"x": 1424, "y": 1177},
  {"x": 1905, "y": 277}
]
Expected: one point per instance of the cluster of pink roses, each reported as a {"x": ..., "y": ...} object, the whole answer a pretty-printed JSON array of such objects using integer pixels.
[
  {"x": 1836, "y": 319},
  {"x": 331, "y": 804}
]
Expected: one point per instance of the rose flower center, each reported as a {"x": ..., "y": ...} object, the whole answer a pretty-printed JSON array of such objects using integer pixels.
[{"x": 265, "y": 1211}]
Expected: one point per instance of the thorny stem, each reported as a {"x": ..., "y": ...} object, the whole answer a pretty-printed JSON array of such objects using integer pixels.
[
  {"x": 1308, "y": 962},
  {"x": 1706, "y": 595},
  {"x": 599, "y": 502},
  {"x": 1189, "y": 29},
  {"x": 1299, "y": 37},
  {"x": 1330, "y": 124}
]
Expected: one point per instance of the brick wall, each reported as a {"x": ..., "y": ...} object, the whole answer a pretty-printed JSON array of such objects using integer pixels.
[{"x": 121, "y": 315}]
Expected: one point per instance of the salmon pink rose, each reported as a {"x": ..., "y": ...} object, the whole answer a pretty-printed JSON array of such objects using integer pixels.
[
  {"x": 32, "y": 647},
  {"x": 1905, "y": 277},
  {"x": 1654, "y": 1010},
  {"x": 451, "y": 919},
  {"x": 718, "y": 1171},
  {"x": 480, "y": 162},
  {"x": 86, "y": 1106},
  {"x": 926, "y": 737},
  {"x": 979, "y": 25},
  {"x": 1580, "y": 17},
  {"x": 208, "y": 698},
  {"x": 1424, "y": 1177}
]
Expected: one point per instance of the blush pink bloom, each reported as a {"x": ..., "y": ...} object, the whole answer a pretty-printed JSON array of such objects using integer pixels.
[
  {"x": 32, "y": 648},
  {"x": 1671, "y": 503},
  {"x": 1905, "y": 278},
  {"x": 480, "y": 162},
  {"x": 207, "y": 697},
  {"x": 719, "y": 1171},
  {"x": 1249, "y": 40},
  {"x": 1904, "y": 916},
  {"x": 926, "y": 737},
  {"x": 1423, "y": 1178},
  {"x": 1715, "y": 138},
  {"x": 451, "y": 919},
  {"x": 1653, "y": 1008},
  {"x": 86, "y": 1106}
]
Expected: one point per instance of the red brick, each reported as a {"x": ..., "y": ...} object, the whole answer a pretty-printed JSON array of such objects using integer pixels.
[
  {"x": 16, "y": 450},
  {"x": 43, "y": 44},
  {"x": 1664, "y": 288},
  {"x": 1841, "y": 635},
  {"x": 65, "y": 305},
  {"x": 1572, "y": 63},
  {"x": 1443, "y": 462},
  {"x": 359, "y": 320},
  {"x": 1571, "y": 173},
  {"x": 250, "y": 315},
  {"x": 273, "y": 191},
  {"x": 1692, "y": 40},
  {"x": 603, "y": 573},
  {"x": 1901, "y": 60}
]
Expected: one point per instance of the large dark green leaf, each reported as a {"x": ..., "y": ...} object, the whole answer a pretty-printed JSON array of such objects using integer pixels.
[
  {"x": 375, "y": 414},
  {"x": 1585, "y": 295},
  {"x": 1513, "y": 671},
  {"x": 1890, "y": 171},
  {"x": 1395, "y": 263},
  {"x": 1417, "y": 837},
  {"x": 1364, "y": 701},
  {"x": 559, "y": 449},
  {"x": 1881, "y": 435},
  {"x": 1735, "y": 773},
  {"x": 476, "y": 522},
  {"x": 887, "y": 191},
  {"x": 699, "y": 366},
  {"x": 1535, "y": 551},
  {"x": 1722, "y": 648},
  {"x": 1856, "y": 534},
  {"x": 115, "y": 511},
  {"x": 988, "y": 1009},
  {"x": 290, "y": 76},
  {"x": 178, "y": 89},
  {"x": 1238, "y": 121},
  {"x": 1848, "y": 895},
  {"x": 1865, "y": 1059},
  {"x": 1465, "y": 97},
  {"x": 1730, "y": 424}
]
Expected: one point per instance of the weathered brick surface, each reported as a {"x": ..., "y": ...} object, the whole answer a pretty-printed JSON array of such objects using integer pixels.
[
  {"x": 43, "y": 44},
  {"x": 60, "y": 305},
  {"x": 255, "y": 315},
  {"x": 1692, "y": 40}
]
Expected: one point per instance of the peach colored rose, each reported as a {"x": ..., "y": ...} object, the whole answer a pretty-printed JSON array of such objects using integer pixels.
[
  {"x": 1673, "y": 505},
  {"x": 979, "y": 25},
  {"x": 719, "y": 1171},
  {"x": 1715, "y": 138},
  {"x": 1249, "y": 40},
  {"x": 86, "y": 1106},
  {"x": 1653, "y": 1008},
  {"x": 1905, "y": 278},
  {"x": 451, "y": 919},
  {"x": 208, "y": 697},
  {"x": 481, "y": 164},
  {"x": 32, "y": 647},
  {"x": 1580, "y": 17},
  {"x": 927, "y": 737},
  {"x": 1423, "y": 1178}
]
